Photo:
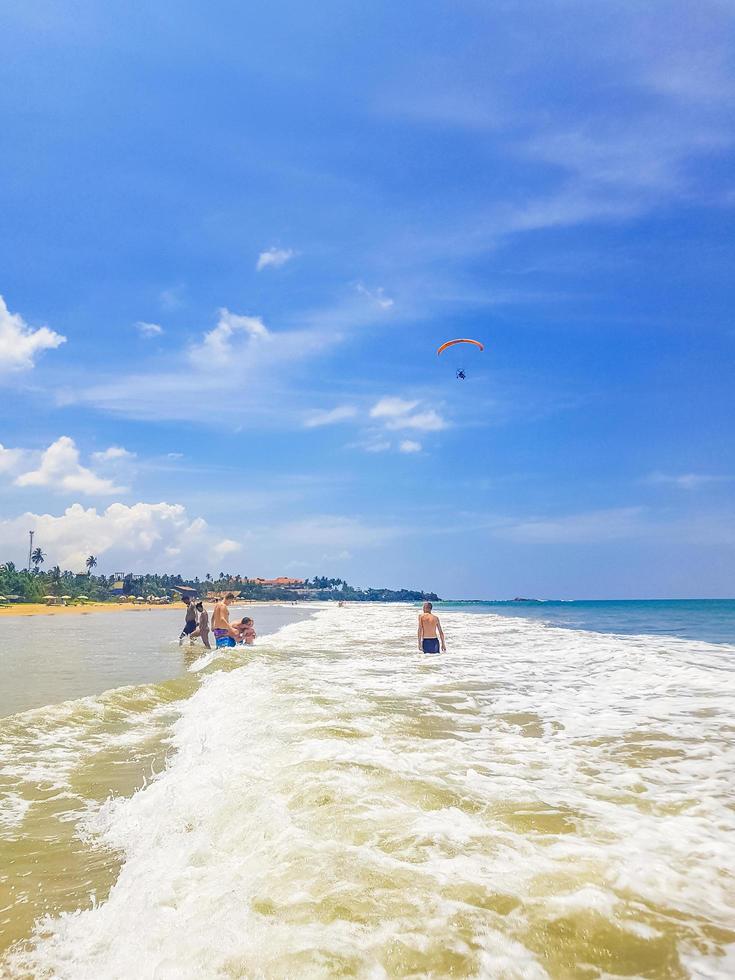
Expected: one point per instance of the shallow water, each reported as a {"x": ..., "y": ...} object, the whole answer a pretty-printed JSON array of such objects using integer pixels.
[
  {"x": 539, "y": 802},
  {"x": 49, "y": 659}
]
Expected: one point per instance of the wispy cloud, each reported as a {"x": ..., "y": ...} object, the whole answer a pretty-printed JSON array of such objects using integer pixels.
[
  {"x": 376, "y": 296},
  {"x": 686, "y": 481},
  {"x": 172, "y": 298},
  {"x": 148, "y": 330},
  {"x": 392, "y": 407},
  {"x": 582, "y": 528},
  {"x": 409, "y": 446},
  {"x": 112, "y": 454},
  {"x": 261, "y": 367},
  {"x": 426, "y": 421},
  {"x": 329, "y": 417},
  {"x": 274, "y": 258},
  {"x": 21, "y": 344}
]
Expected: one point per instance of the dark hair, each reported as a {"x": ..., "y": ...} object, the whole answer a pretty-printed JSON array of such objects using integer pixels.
[
  {"x": 245, "y": 620},
  {"x": 200, "y": 606},
  {"x": 230, "y": 595},
  {"x": 428, "y": 605}
]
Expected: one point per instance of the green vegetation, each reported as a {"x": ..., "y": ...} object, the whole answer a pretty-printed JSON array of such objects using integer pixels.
[{"x": 21, "y": 585}]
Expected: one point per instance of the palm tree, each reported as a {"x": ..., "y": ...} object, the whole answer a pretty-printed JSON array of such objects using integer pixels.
[
  {"x": 91, "y": 563},
  {"x": 38, "y": 558}
]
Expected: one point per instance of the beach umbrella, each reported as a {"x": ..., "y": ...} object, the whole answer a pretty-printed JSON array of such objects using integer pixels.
[
  {"x": 78, "y": 597},
  {"x": 49, "y": 597},
  {"x": 66, "y": 597}
]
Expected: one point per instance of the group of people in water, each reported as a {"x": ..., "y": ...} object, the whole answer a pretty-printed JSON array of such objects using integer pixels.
[{"x": 226, "y": 634}]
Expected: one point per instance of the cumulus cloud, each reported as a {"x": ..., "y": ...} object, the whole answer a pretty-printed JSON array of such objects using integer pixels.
[
  {"x": 148, "y": 330},
  {"x": 410, "y": 446},
  {"x": 339, "y": 414},
  {"x": 274, "y": 258},
  {"x": 225, "y": 547},
  {"x": 10, "y": 459},
  {"x": 20, "y": 344},
  {"x": 60, "y": 469},
  {"x": 216, "y": 347},
  {"x": 131, "y": 536}
]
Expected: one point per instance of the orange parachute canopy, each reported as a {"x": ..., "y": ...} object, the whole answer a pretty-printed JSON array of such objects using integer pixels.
[{"x": 460, "y": 340}]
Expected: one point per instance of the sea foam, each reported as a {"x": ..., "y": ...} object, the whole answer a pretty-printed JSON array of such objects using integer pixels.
[{"x": 537, "y": 802}]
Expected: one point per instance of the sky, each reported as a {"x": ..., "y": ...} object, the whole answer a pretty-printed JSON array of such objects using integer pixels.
[{"x": 234, "y": 235}]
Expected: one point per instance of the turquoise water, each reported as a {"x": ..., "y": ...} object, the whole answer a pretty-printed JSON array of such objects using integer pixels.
[{"x": 711, "y": 620}]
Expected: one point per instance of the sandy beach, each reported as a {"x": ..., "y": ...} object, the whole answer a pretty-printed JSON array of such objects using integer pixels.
[
  {"x": 81, "y": 609},
  {"x": 41, "y": 609}
]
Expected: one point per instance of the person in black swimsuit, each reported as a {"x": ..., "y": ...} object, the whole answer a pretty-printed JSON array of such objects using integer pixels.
[{"x": 190, "y": 621}]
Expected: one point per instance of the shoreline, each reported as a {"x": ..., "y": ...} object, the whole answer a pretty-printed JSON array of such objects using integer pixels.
[{"x": 26, "y": 609}]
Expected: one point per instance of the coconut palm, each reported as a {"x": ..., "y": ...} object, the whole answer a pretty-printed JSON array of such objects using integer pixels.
[
  {"x": 91, "y": 563},
  {"x": 38, "y": 558}
]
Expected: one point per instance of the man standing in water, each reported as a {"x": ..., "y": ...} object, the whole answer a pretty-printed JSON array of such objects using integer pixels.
[
  {"x": 429, "y": 627},
  {"x": 224, "y": 634}
]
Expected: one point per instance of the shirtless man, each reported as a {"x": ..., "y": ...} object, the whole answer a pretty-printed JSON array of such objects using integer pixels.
[
  {"x": 202, "y": 629},
  {"x": 429, "y": 626},
  {"x": 221, "y": 623}
]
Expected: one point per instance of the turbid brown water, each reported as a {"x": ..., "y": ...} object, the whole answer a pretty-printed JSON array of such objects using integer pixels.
[
  {"x": 86, "y": 707},
  {"x": 536, "y": 803}
]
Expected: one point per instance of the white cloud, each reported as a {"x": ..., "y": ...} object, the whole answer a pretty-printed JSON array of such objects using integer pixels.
[
  {"x": 339, "y": 414},
  {"x": 376, "y": 296},
  {"x": 217, "y": 348},
  {"x": 391, "y": 407},
  {"x": 225, "y": 547},
  {"x": 10, "y": 459},
  {"x": 261, "y": 368},
  {"x": 129, "y": 536},
  {"x": 274, "y": 258},
  {"x": 112, "y": 453},
  {"x": 428, "y": 421},
  {"x": 686, "y": 481},
  {"x": 410, "y": 446},
  {"x": 149, "y": 329},
  {"x": 20, "y": 344},
  {"x": 60, "y": 469}
]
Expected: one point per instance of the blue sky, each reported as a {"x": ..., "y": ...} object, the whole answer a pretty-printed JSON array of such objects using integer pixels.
[{"x": 252, "y": 226}]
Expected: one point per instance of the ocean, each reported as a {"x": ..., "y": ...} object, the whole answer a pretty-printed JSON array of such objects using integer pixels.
[
  {"x": 712, "y": 620},
  {"x": 550, "y": 799}
]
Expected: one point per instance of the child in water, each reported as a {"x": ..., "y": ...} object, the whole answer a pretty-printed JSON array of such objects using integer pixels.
[{"x": 247, "y": 631}]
